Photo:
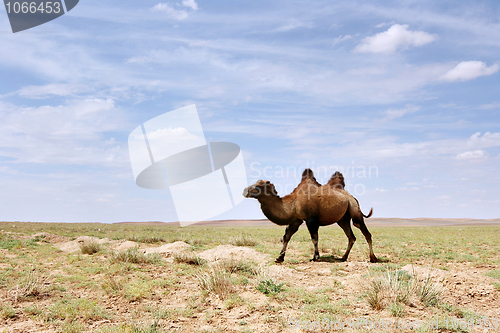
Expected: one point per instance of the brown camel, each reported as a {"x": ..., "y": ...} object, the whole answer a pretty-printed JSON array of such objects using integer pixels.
[{"x": 317, "y": 205}]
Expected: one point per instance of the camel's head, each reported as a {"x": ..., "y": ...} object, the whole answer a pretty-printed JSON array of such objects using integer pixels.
[
  {"x": 261, "y": 187},
  {"x": 337, "y": 180}
]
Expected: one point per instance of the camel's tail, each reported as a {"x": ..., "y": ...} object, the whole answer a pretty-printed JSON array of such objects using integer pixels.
[{"x": 369, "y": 214}]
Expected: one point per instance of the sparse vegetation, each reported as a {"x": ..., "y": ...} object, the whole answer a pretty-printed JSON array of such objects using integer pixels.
[
  {"x": 216, "y": 280},
  {"x": 7, "y": 311},
  {"x": 397, "y": 287},
  {"x": 30, "y": 285},
  {"x": 493, "y": 273},
  {"x": 269, "y": 287},
  {"x": 243, "y": 239},
  {"x": 238, "y": 266},
  {"x": 90, "y": 247},
  {"x": 147, "y": 239},
  {"x": 130, "y": 291},
  {"x": 134, "y": 256},
  {"x": 189, "y": 258}
]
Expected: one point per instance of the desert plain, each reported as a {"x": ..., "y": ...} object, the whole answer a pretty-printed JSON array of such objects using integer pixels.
[{"x": 433, "y": 275}]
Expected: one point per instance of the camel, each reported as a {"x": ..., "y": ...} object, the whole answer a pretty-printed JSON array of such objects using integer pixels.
[{"x": 317, "y": 205}]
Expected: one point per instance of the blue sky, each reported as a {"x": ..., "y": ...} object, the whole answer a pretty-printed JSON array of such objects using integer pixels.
[{"x": 402, "y": 96}]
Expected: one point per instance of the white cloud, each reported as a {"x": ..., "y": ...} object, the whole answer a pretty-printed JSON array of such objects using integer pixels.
[
  {"x": 383, "y": 24},
  {"x": 493, "y": 105},
  {"x": 67, "y": 134},
  {"x": 191, "y": 4},
  {"x": 341, "y": 39},
  {"x": 472, "y": 155},
  {"x": 393, "y": 114},
  {"x": 294, "y": 24},
  {"x": 170, "y": 11},
  {"x": 38, "y": 92},
  {"x": 468, "y": 70},
  {"x": 408, "y": 189},
  {"x": 396, "y": 37}
]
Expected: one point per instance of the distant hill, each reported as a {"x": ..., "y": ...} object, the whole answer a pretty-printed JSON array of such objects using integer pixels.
[{"x": 371, "y": 222}]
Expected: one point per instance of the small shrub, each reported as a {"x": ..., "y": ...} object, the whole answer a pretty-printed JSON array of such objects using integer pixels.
[
  {"x": 216, "y": 281},
  {"x": 70, "y": 310},
  {"x": 90, "y": 247},
  {"x": 147, "y": 239},
  {"x": 233, "y": 301},
  {"x": 111, "y": 285},
  {"x": 429, "y": 291},
  {"x": 399, "y": 287},
  {"x": 188, "y": 258},
  {"x": 268, "y": 287},
  {"x": 32, "y": 310},
  {"x": 493, "y": 273},
  {"x": 238, "y": 266},
  {"x": 29, "y": 286},
  {"x": 243, "y": 239},
  {"x": 397, "y": 309},
  {"x": 7, "y": 311},
  {"x": 135, "y": 256},
  {"x": 137, "y": 290}
]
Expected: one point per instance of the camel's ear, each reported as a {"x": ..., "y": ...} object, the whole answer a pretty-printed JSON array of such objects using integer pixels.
[{"x": 268, "y": 182}]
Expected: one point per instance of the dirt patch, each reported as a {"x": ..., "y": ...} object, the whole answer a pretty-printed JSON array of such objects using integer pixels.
[
  {"x": 51, "y": 238},
  {"x": 167, "y": 249},
  {"x": 233, "y": 252},
  {"x": 74, "y": 246},
  {"x": 125, "y": 245}
]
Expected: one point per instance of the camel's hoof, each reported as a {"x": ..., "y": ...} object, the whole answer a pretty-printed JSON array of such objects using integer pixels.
[
  {"x": 374, "y": 259},
  {"x": 343, "y": 259},
  {"x": 278, "y": 260},
  {"x": 314, "y": 259}
]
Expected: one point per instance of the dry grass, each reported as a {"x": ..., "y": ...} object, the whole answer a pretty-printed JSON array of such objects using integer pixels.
[
  {"x": 217, "y": 281},
  {"x": 232, "y": 265},
  {"x": 127, "y": 291},
  {"x": 243, "y": 239},
  {"x": 90, "y": 248},
  {"x": 396, "y": 287},
  {"x": 31, "y": 285},
  {"x": 111, "y": 285},
  {"x": 134, "y": 256},
  {"x": 188, "y": 258}
]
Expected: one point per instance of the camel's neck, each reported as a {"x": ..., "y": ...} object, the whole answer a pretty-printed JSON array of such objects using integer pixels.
[{"x": 275, "y": 209}]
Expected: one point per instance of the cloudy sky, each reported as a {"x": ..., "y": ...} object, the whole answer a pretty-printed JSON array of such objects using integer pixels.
[{"x": 401, "y": 96}]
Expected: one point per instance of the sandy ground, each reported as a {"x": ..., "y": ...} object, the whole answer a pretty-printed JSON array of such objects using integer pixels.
[{"x": 464, "y": 286}]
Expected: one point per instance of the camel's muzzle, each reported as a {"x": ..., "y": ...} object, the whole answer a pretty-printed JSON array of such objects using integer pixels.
[{"x": 247, "y": 192}]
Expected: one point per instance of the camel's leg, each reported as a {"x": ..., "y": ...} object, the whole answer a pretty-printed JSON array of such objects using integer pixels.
[
  {"x": 345, "y": 224},
  {"x": 360, "y": 223},
  {"x": 313, "y": 226},
  {"x": 290, "y": 230}
]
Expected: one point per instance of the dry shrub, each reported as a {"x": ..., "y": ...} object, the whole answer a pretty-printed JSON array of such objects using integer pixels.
[
  {"x": 216, "y": 281},
  {"x": 232, "y": 265},
  {"x": 111, "y": 285},
  {"x": 90, "y": 247},
  {"x": 31, "y": 285},
  {"x": 188, "y": 258},
  {"x": 135, "y": 256},
  {"x": 400, "y": 287},
  {"x": 243, "y": 239}
]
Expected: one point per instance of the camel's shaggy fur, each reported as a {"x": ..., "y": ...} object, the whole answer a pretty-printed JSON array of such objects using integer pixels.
[{"x": 316, "y": 204}]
